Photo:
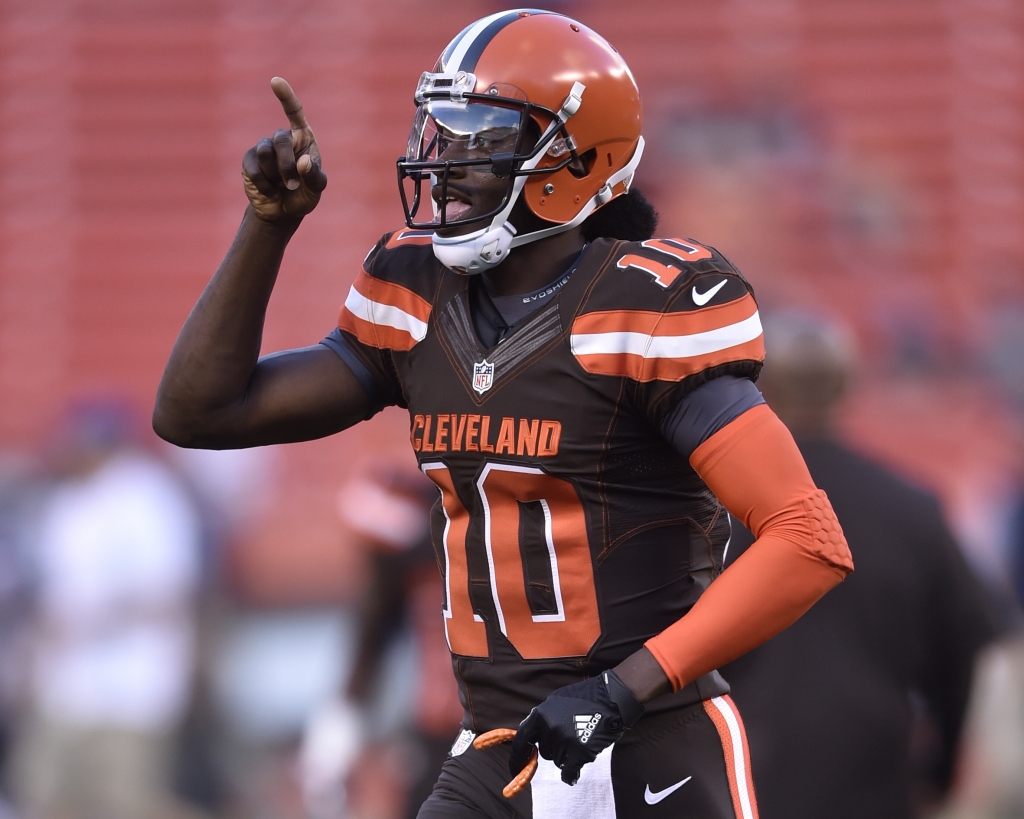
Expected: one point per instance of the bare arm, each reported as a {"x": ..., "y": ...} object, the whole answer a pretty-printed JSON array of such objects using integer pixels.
[{"x": 216, "y": 392}]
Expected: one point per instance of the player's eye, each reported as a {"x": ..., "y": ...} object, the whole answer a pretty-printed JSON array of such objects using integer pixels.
[{"x": 494, "y": 136}]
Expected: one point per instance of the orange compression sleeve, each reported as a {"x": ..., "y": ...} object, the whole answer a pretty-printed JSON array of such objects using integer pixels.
[{"x": 755, "y": 469}]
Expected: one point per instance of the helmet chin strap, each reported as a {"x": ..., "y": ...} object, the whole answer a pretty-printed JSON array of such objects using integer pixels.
[{"x": 481, "y": 249}]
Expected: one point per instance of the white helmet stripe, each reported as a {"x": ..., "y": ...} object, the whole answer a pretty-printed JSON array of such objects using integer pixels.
[
  {"x": 472, "y": 43},
  {"x": 455, "y": 61},
  {"x": 449, "y": 49}
]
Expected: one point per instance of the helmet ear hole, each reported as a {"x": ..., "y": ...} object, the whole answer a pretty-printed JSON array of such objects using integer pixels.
[
  {"x": 582, "y": 166},
  {"x": 531, "y": 136}
]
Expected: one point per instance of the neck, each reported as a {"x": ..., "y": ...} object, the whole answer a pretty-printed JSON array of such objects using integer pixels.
[{"x": 532, "y": 266}]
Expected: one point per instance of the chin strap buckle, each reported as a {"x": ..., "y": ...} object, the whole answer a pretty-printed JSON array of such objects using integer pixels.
[
  {"x": 490, "y": 251},
  {"x": 572, "y": 102}
]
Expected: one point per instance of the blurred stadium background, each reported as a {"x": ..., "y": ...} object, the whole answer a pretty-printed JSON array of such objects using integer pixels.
[{"x": 860, "y": 158}]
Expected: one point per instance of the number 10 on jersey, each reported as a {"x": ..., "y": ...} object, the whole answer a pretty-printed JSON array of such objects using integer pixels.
[{"x": 574, "y": 627}]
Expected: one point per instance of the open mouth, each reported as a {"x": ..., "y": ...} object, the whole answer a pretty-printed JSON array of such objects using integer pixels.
[{"x": 453, "y": 208}]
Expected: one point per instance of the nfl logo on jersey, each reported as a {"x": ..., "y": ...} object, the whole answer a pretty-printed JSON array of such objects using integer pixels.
[
  {"x": 462, "y": 742},
  {"x": 483, "y": 376}
]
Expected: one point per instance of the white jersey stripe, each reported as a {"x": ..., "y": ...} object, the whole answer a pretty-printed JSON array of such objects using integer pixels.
[
  {"x": 739, "y": 760},
  {"x": 655, "y": 346},
  {"x": 384, "y": 315}
]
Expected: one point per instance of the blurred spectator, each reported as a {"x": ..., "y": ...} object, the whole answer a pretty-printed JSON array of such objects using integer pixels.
[
  {"x": 1016, "y": 551},
  {"x": 989, "y": 783},
  {"x": 388, "y": 760},
  {"x": 117, "y": 562},
  {"x": 231, "y": 488},
  {"x": 835, "y": 705},
  {"x": 17, "y": 493}
]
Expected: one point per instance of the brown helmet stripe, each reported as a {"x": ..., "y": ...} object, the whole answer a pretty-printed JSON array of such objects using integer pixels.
[
  {"x": 471, "y": 51},
  {"x": 483, "y": 40},
  {"x": 446, "y": 55}
]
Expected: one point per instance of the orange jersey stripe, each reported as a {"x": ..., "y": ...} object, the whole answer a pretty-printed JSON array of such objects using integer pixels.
[
  {"x": 384, "y": 315},
  {"x": 649, "y": 346},
  {"x": 651, "y": 322},
  {"x": 639, "y": 368},
  {"x": 393, "y": 295},
  {"x": 376, "y": 335}
]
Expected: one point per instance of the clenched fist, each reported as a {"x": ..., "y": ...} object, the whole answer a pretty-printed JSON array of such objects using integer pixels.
[{"x": 282, "y": 175}]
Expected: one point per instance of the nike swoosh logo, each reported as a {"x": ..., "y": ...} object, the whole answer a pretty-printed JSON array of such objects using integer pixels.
[
  {"x": 700, "y": 299},
  {"x": 655, "y": 798}
]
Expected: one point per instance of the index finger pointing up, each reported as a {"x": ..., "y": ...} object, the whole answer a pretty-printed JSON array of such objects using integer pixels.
[{"x": 290, "y": 103}]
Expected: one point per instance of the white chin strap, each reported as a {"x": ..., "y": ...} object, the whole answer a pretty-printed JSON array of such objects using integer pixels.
[
  {"x": 488, "y": 247},
  {"x": 477, "y": 251}
]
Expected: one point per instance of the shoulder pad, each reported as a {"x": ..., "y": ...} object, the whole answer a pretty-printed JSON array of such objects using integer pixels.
[
  {"x": 664, "y": 310},
  {"x": 669, "y": 263},
  {"x": 408, "y": 237},
  {"x": 405, "y": 257},
  {"x": 389, "y": 304},
  {"x": 666, "y": 275}
]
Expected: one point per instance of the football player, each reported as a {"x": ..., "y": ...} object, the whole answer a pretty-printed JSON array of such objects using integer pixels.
[{"x": 582, "y": 395}]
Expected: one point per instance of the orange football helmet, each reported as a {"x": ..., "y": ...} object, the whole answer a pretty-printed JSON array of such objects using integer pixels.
[{"x": 534, "y": 97}]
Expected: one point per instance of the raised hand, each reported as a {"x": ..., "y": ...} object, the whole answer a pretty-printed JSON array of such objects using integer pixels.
[{"x": 282, "y": 175}]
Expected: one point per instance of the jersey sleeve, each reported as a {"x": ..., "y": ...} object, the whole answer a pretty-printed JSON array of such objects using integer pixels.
[
  {"x": 668, "y": 315},
  {"x": 378, "y": 392},
  {"x": 707, "y": 409},
  {"x": 383, "y": 315}
]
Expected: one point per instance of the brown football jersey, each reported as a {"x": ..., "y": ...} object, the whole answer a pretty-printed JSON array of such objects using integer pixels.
[{"x": 568, "y": 530}]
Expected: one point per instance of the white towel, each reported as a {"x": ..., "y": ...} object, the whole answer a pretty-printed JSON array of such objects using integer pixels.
[{"x": 590, "y": 798}]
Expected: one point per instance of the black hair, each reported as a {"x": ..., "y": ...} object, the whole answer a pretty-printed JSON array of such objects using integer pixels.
[{"x": 629, "y": 217}]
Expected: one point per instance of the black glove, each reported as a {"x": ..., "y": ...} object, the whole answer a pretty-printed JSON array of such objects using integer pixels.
[{"x": 575, "y": 723}]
